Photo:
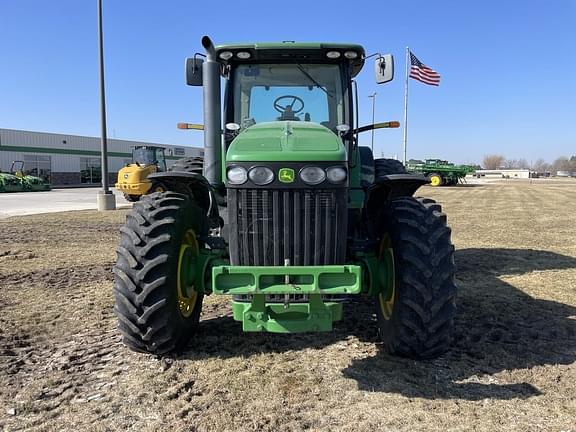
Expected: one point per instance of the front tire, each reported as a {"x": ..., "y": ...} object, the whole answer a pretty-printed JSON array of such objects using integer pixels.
[
  {"x": 435, "y": 179},
  {"x": 417, "y": 320},
  {"x": 156, "y": 187},
  {"x": 156, "y": 302},
  {"x": 131, "y": 198}
]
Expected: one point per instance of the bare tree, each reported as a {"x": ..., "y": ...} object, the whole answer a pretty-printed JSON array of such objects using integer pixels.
[
  {"x": 521, "y": 163},
  {"x": 561, "y": 164},
  {"x": 493, "y": 161},
  {"x": 541, "y": 166}
]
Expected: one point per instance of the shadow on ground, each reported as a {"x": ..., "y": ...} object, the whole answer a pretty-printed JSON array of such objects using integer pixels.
[{"x": 498, "y": 328}]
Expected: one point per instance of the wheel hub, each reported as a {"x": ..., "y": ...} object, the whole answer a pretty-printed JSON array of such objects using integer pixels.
[
  {"x": 386, "y": 277},
  {"x": 187, "y": 294}
]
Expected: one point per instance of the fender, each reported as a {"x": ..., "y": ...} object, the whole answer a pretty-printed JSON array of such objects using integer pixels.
[
  {"x": 392, "y": 186},
  {"x": 191, "y": 184}
]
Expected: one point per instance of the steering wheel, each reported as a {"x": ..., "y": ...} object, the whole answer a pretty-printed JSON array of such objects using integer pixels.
[{"x": 282, "y": 108}]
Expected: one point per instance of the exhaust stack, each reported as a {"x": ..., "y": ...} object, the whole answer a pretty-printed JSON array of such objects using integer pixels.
[{"x": 212, "y": 115}]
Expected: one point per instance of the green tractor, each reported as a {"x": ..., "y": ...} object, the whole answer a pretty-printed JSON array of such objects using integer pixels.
[
  {"x": 289, "y": 216},
  {"x": 17, "y": 181},
  {"x": 440, "y": 172}
]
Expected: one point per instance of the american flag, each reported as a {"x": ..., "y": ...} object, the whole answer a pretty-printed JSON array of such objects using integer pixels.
[{"x": 419, "y": 71}]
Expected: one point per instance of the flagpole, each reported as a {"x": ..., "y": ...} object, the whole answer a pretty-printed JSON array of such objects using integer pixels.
[{"x": 406, "y": 103}]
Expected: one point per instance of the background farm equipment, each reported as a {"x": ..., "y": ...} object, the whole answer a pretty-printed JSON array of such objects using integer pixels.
[
  {"x": 18, "y": 181},
  {"x": 440, "y": 172},
  {"x": 133, "y": 178}
]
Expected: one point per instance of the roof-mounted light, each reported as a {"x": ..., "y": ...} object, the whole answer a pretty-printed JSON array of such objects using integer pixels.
[
  {"x": 333, "y": 54},
  {"x": 225, "y": 55},
  {"x": 243, "y": 55},
  {"x": 351, "y": 55}
]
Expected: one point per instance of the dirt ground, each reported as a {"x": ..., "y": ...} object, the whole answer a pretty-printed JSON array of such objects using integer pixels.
[{"x": 512, "y": 366}]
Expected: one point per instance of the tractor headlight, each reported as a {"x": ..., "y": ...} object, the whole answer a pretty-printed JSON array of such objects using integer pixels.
[
  {"x": 261, "y": 175},
  {"x": 237, "y": 175},
  {"x": 336, "y": 174},
  {"x": 312, "y": 175}
]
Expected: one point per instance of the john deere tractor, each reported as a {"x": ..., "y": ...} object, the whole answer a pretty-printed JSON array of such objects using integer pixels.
[
  {"x": 18, "y": 181},
  {"x": 290, "y": 216},
  {"x": 133, "y": 179}
]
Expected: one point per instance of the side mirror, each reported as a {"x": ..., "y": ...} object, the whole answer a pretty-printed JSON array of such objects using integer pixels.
[
  {"x": 384, "y": 69},
  {"x": 194, "y": 72}
]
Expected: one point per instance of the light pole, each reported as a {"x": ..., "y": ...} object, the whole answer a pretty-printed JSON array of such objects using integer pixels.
[
  {"x": 373, "y": 96},
  {"x": 105, "y": 198}
]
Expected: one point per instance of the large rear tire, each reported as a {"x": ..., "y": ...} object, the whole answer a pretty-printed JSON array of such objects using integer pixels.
[
  {"x": 384, "y": 167},
  {"x": 156, "y": 302},
  {"x": 191, "y": 164},
  {"x": 417, "y": 320}
]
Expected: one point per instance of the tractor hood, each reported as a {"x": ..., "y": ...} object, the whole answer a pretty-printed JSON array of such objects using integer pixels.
[{"x": 286, "y": 141}]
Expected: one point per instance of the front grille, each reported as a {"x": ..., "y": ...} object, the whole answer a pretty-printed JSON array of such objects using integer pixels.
[{"x": 306, "y": 226}]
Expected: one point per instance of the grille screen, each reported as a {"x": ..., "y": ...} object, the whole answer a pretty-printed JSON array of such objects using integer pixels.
[{"x": 306, "y": 226}]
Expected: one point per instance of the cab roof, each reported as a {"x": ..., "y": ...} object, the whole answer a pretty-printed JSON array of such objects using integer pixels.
[{"x": 290, "y": 51}]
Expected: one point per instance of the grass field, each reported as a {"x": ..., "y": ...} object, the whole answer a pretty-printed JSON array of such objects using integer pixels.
[{"x": 512, "y": 365}]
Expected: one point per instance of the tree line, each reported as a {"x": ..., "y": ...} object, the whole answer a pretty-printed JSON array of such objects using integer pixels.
[{"x": 563, "y": 163}]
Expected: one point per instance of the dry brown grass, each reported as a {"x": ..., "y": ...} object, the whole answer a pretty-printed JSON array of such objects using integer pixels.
[{"x": 512, "y": 366}]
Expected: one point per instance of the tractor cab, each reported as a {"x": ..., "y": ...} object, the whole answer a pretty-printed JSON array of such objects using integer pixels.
[
  {"x": 17, "y": 169},
  {"x": 149, "y": 155}
]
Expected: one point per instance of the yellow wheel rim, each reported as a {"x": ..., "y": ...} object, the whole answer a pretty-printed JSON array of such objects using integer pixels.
[
  {"x": 387, "y": 301},
  {"x": 158, "y": 189},
  {"x": 187, "y": 294},
  {"x": 435, "y": 180}
]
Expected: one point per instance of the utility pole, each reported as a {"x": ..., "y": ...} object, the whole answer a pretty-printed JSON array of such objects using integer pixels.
[
  {"x": 373, "y": 96},
  {"x": 105, "y": 198},
  {"x": 406, "y": 106}
]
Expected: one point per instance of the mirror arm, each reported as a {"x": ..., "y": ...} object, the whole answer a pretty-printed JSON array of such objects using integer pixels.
[
  {"x": 196, "y": 67},
  {"x": 373, "y": 55}
]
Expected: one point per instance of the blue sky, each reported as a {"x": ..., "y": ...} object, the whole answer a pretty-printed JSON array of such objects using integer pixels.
[{"x": 508, "y": 68}]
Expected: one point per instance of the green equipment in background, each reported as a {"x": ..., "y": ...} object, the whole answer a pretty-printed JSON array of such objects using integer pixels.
[
  {"x": 287, "y": 214},
  {"x": 440, "y": 172},
  {"x": 17, "y": 181}
]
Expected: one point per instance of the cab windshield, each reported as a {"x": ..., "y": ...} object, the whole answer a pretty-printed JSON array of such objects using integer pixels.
[
  {"x": 149, "y": 156},
  {"x": 288, "y": 92}
]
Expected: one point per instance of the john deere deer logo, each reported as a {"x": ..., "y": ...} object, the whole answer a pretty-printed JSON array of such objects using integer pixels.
[{"x": 286, "y": 175}]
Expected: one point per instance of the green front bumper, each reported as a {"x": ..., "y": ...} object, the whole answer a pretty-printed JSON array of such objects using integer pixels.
[{"x": 310, "y": 313}]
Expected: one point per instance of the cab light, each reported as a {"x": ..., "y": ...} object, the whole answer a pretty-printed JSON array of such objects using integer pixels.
[
  {"x": 225, "y": 55},
  {"x": 351, "y": 55},
  {"x": 333, "y": 54},
  {"x": 243, "y": 55}
]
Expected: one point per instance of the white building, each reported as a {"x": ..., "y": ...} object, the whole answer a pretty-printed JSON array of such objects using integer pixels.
[
  {"x": 502, "y": 173},
  {"x": 73, "y": 159}
]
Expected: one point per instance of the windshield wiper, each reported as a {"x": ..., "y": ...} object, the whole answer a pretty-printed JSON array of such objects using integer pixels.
[{"x": 301, "y": 68}]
